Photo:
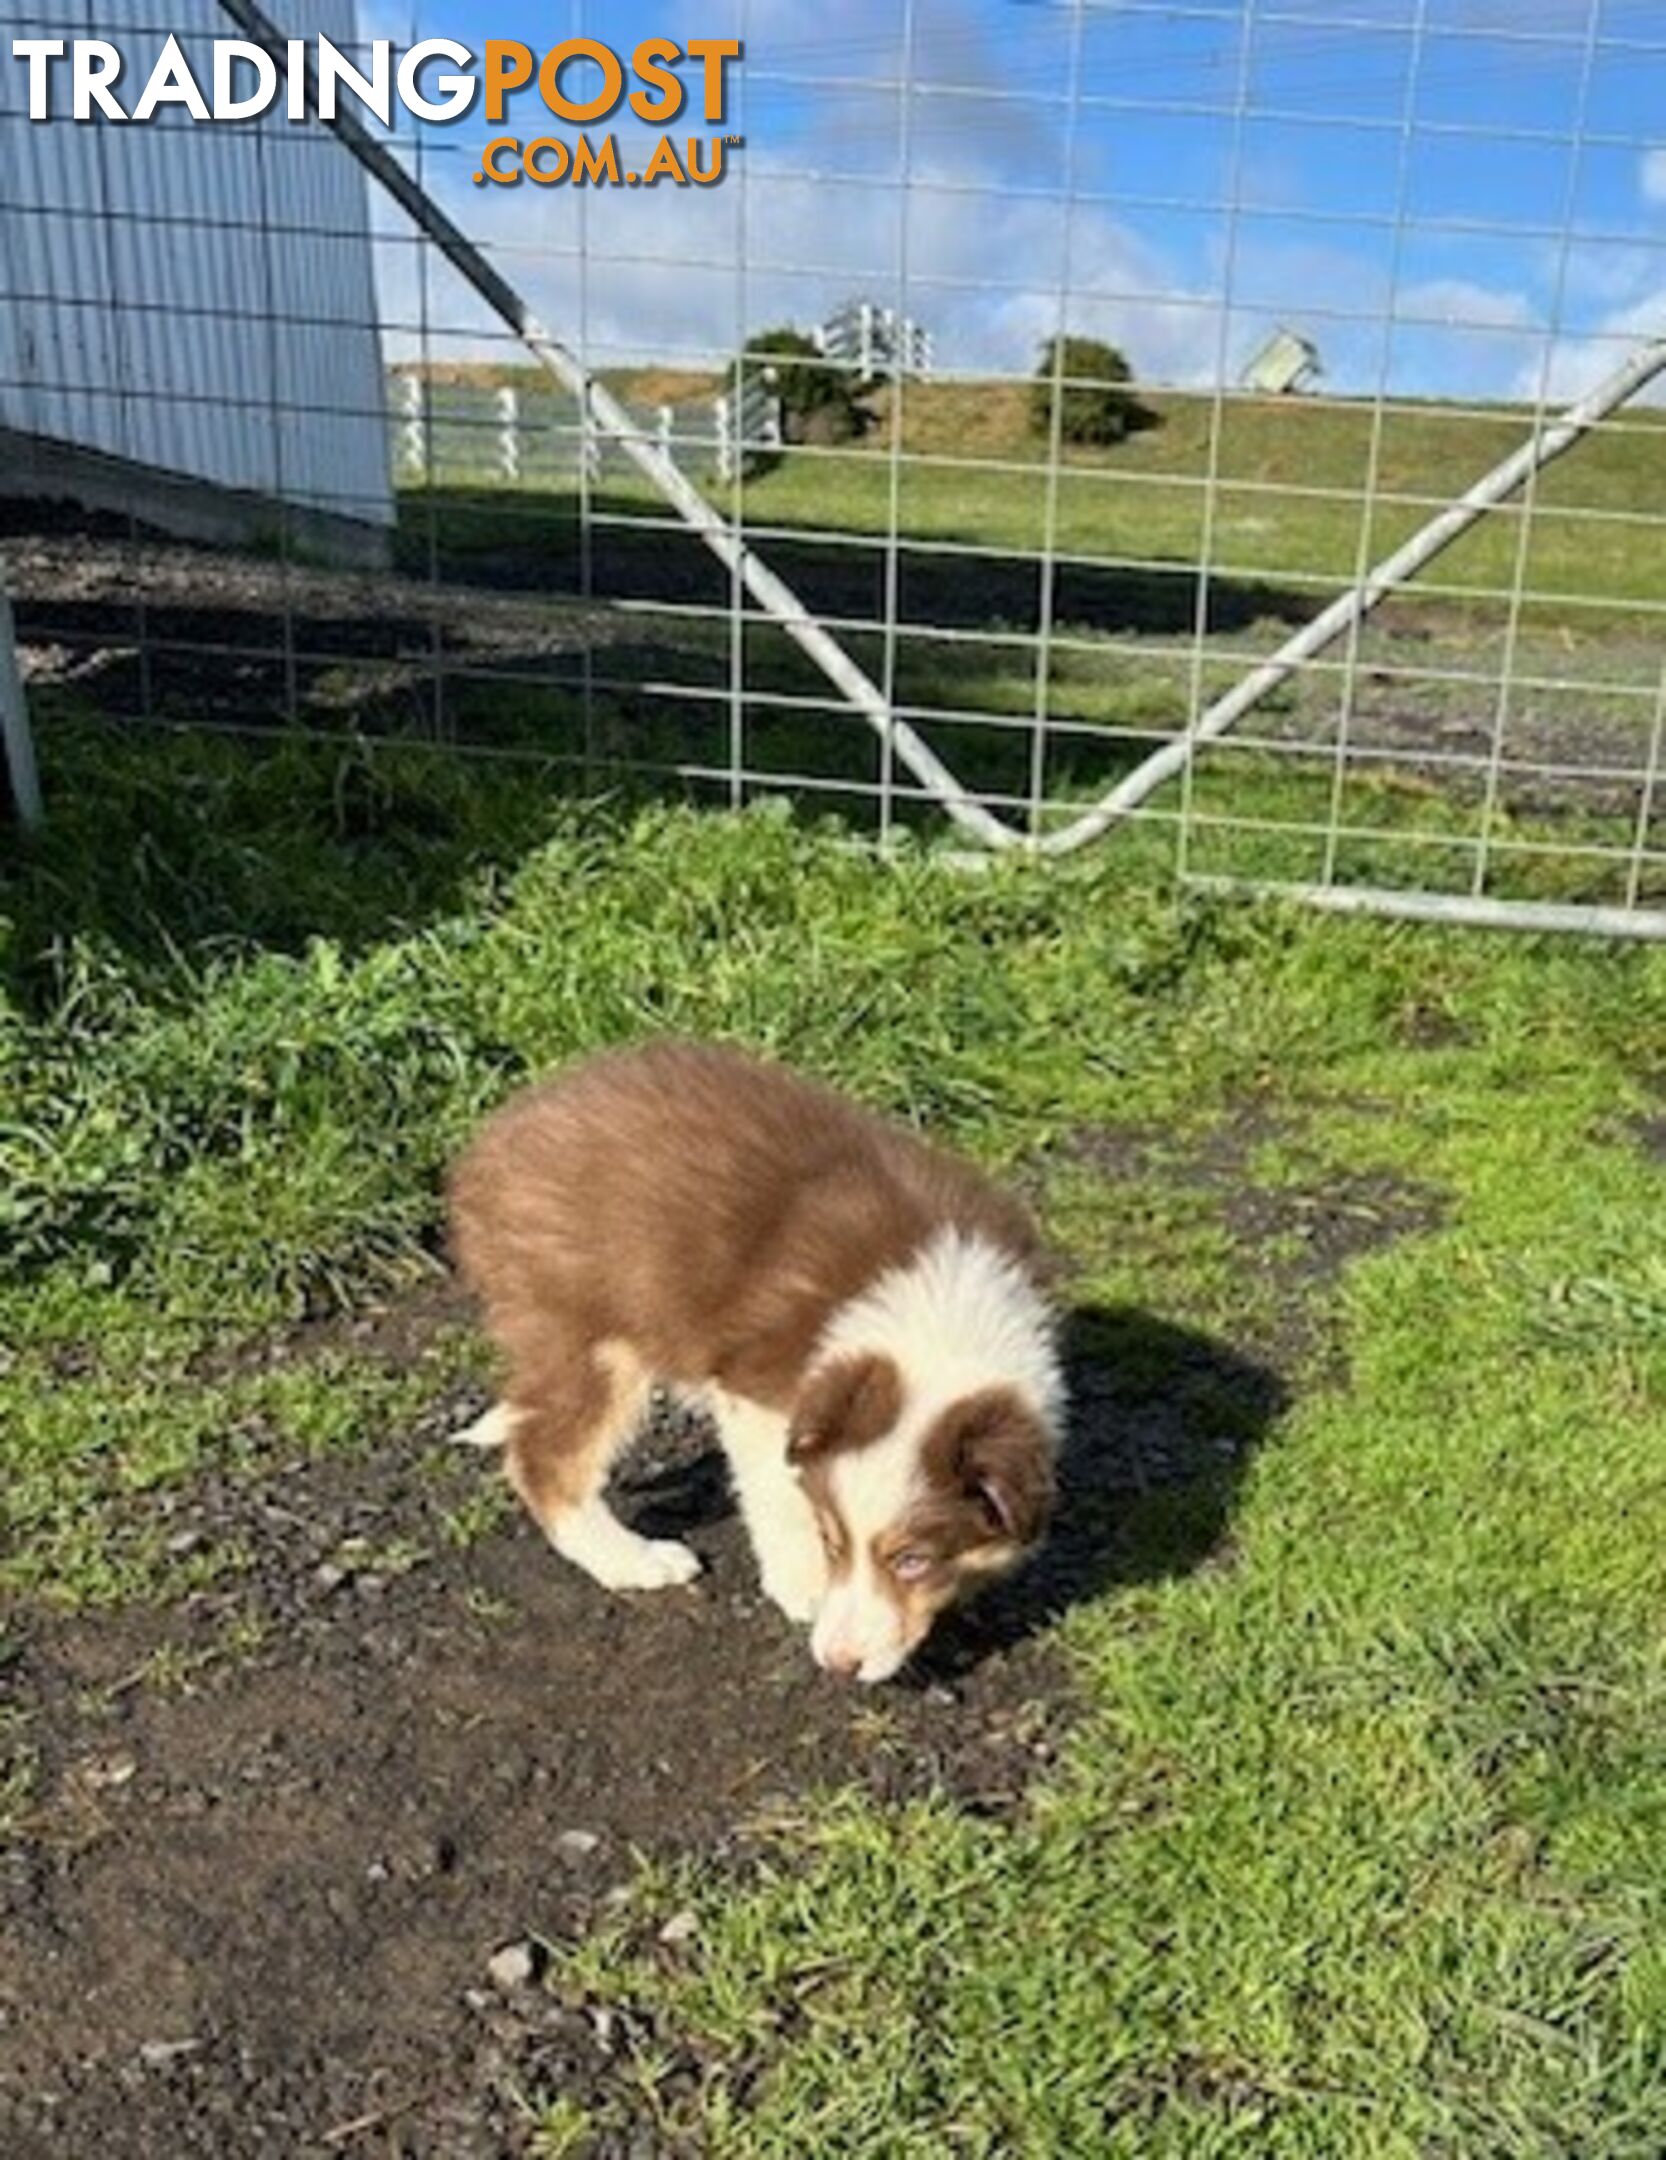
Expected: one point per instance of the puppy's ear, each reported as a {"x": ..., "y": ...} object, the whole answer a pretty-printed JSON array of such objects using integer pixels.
[
  {"x": 993, "y": 1453},
  {"x": 846, "y": 1403}
]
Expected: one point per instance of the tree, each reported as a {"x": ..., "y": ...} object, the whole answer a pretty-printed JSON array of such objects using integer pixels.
[
  {"x": 816, "y": 400},
  {"x": 1090, "y": 379}
]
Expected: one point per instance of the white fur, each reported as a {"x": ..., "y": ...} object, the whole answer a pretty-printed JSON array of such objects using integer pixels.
[
  {"x": 959, "y": 1317},
  {"x": 490, "y": 1431},
  {"x": 594, "y": 1539},
  {"x": 857, "y": 1625},
  {"x": 779, "y": 1518},
  {"x": 592, "y": 1536}
]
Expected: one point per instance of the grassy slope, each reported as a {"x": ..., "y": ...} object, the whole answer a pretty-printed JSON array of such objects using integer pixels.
[
  {"x": 1289, "y": 478},
  {"x": 1357, "y": 1847},
  {"x": 1147, "y": 500}
]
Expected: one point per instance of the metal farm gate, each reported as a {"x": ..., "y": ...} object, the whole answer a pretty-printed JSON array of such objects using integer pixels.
[{"x": 1049, "y": 555}]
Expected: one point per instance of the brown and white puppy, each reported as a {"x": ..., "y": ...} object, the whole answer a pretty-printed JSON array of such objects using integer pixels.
[{"x": 862, "y": 1315}]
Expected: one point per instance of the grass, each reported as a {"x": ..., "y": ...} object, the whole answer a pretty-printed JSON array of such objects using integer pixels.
[
  {"x": 1354, "y": 1850},
  {"x": 1355, "y": 1846},
  {"x": 1277, "y": 486}
]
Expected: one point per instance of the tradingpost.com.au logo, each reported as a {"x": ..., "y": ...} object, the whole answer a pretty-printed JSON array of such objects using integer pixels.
[{"x": 437, "y": 80}]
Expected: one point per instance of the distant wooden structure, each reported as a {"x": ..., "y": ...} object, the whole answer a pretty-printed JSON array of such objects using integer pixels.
[
  {"x": 1286, "y": 364},
  {"x": 876, "y": 341}
]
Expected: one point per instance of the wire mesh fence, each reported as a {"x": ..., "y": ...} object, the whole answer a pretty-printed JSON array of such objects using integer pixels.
[{"x": 1174, "y": 325}]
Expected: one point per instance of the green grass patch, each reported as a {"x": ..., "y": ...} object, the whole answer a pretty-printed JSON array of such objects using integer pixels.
[
  {"x": 1355, "y": 1851},
  {"x": 1355, "y": 1848}
]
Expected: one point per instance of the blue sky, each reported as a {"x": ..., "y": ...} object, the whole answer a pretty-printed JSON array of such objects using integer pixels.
[{"x": 1504, "y": 194}]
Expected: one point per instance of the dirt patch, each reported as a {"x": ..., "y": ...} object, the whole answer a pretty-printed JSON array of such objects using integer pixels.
[
  {"x": 1650, "y": 1132},
  {"x": 138, "y": 625},
  {"x": 1299, "y": 1238},
  {"x": 1428, "y": 1027},
  {"x": 1309, "y": 1237},
  {"x": 394, "y": 1331},
  {"x": 1424, "y": 706},
  {"x": 257, "y": 1908}
]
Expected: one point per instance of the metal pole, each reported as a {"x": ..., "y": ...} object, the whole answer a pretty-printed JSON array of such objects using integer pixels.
[
  {"x": 1476, "y": 910},
  {"x": 1420, "y": 550},
  {"x": 509, "y": 435},
  {"x": 21, "y": 768}
]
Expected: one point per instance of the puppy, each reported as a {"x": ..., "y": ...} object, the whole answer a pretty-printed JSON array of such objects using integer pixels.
[{"x": 863, "y": 1316}]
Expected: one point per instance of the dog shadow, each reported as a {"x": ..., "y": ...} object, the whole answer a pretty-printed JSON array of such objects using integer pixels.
[{"x": 1164, "y": 1422}]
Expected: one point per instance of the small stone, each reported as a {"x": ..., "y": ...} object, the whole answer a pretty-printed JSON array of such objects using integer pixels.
[
  {"x": 330, "y": 1577},
  {"x": 516, "y": 1965},
  {"x": 106, "y": 1773},
  {"x": 680, "y": 1928},
  {"x": 186, "y": 1542},
  {"x": 161, "y": 2054},
  {"x": 576, "y": 1845}
]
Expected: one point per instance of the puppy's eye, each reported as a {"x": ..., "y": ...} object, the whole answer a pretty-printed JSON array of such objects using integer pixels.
[{"x": 909, "y": 1566}]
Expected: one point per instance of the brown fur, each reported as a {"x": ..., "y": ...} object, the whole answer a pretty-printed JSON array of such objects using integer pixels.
[
  {"x": 685, "y": 1213},
  {"x": 988, "y": 1471},
  {"x": 988, "y": 1496},
  {"x": 847, "y": 1404}
]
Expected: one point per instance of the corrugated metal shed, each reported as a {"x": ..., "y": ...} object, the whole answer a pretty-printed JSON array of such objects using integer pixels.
[{"x": 197, "y": 299}]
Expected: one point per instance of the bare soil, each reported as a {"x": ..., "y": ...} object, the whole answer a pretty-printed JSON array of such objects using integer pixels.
[
  {"x": 1651, "y": 1136},
  {"x": 133, "y": 625},
  {"x": 259, "y": 1903},
  {"x": 256, "y": 1905}
]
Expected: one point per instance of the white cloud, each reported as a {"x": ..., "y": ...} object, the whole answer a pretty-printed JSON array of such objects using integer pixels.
[
  {"x": 1605, "y": 273},
  {"x": 678, "y": 274},
  {"x": 674, "y": 274},
  {"x": 1577, "y": 365},
  {"x": 1463, "y": 305}
]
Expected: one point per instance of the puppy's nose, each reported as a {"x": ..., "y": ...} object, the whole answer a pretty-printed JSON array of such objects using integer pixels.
[{"x": 846, "y": 1663}]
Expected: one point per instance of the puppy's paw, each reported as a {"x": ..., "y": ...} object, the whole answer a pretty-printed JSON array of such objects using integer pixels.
[{"x": 647, "y": 1564}]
